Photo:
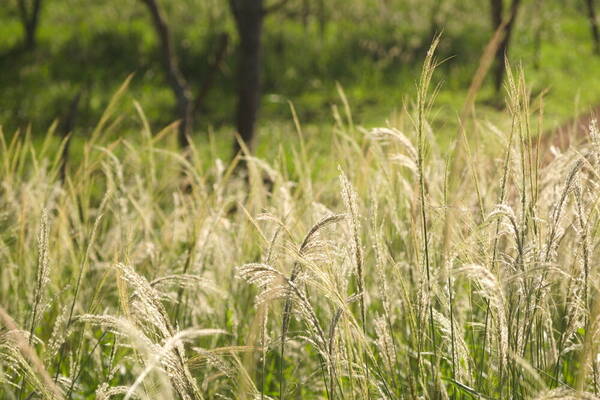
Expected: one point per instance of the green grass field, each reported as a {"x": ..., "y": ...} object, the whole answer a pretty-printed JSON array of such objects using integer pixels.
[{"x": 94, "y": 46}]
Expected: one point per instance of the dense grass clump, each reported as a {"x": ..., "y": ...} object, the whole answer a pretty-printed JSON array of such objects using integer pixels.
[{"x": 395, "y": 268}]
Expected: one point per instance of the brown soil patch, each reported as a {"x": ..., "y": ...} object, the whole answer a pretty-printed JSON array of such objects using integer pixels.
[{"x": 573, "y": 132}]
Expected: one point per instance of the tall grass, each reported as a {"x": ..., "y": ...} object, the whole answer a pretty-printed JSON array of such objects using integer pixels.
[{"x": 145, "y": 274}]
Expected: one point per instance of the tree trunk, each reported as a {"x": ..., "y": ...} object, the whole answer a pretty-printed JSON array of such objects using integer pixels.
[
  {"x": 249, "y": 15},
  {"x": 594, "y": 25},
  {"x": 30, "y": 20},
  {"x": 183, "y": 94},
  {"x": 497, "y": 20},
  {"x": 497, "y": 7}
]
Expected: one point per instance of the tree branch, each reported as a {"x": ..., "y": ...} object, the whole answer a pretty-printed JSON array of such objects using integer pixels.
[
  {"x": 35, "y": 12},
  {"x": 166, "y": 41},
  {"x": 177, "y": 81}
]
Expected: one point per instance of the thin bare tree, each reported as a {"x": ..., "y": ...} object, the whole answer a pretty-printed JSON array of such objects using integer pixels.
[
  {"x": 593, "y": 18},
  {"x": 29, "y": 13},
  {"x": 178, "y": 83},
  {"x": 186, "y": 103}
]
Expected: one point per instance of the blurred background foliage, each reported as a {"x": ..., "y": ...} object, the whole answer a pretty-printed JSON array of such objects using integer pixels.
[{"x": 372, "y": 48}]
